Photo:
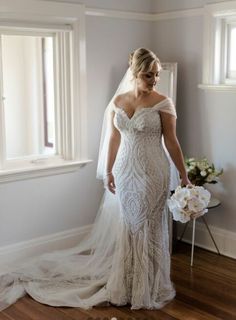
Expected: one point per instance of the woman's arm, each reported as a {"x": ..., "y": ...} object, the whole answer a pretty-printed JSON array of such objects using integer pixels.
[
  {"x": 113, "y": 147},
  {"x": 173, "y": 146}
]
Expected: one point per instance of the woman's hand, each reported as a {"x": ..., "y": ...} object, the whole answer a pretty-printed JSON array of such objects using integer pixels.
[
  {"x": 196, "y": 215},
  {"x": 110, "y": 183},
  {"x": 185, "y": 181}
]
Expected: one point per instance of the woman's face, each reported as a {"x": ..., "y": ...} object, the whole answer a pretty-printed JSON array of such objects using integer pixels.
[{"x": 146, "y": 81}]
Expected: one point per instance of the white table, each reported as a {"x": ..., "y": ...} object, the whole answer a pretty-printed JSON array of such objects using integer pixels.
[{"x": 214, "y": 202}]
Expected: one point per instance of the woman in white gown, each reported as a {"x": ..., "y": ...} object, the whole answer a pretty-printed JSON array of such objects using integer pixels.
[{"x": 125, "y": 258}]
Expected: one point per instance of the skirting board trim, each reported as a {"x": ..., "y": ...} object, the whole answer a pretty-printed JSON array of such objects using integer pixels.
[
  {"x": 225, "y": 240},
  {"x": 11, "y": 255}
]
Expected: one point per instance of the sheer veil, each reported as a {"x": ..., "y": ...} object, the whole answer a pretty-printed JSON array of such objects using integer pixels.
[
  {"x": 125, "y": 85},
  {"x": 75, "y": 277}
]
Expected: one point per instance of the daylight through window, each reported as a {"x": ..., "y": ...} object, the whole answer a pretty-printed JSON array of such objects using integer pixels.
[{"x": 28, "y": 90}]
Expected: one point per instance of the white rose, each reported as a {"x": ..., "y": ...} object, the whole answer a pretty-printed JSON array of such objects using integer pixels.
[
  {"x": 195, "y": 205},
  {"x": 201, "y": 193},
  {"x": 180, "y": 215},
  {"x": 194, "y": 192},
  {"x": 181, "y": 193},
  {"x": 205, "y": 196},
  {"x": 173, "y": 204},
  {"x": 210, "y": 178},
  {"x": 201, "y": 166},
  {"x": 203, "y": 173},
  {"x": 181, "y": 196}
]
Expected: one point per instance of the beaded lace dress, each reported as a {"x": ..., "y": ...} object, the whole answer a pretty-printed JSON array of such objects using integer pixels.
[{"x": 125, "y": 258}]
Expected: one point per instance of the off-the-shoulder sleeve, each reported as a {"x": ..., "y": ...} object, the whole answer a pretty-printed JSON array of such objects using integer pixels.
[{"x": 167, "y": 106}]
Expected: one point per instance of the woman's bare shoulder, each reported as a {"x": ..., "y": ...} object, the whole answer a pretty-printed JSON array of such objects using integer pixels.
[
  {"x": 157, "y": 97},
  {"x": 121, "y": 98}
]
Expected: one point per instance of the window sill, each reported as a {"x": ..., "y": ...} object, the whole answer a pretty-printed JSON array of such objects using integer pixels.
[
  {"x": 37, "y": 170},
  {"x": 219, "y": 87}
]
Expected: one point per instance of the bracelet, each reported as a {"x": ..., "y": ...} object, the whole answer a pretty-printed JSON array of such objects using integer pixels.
[{"x": 108, "y": 173}]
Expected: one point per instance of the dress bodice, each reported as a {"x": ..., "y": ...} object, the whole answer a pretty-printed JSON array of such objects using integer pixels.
[{"x": 144, "y": 121}]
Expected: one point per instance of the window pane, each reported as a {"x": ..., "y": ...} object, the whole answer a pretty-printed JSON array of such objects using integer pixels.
[
  {"x": 232, "y": 54},
  {"x": 25, "y": 93},
  {"x": 48, "y": 87}
]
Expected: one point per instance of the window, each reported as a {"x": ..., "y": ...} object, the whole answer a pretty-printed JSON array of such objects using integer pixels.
[
  {"x": 27, "y": 77},
  {"x": 42, "y": 85},
  {"x": 219, "y": 62},
  {"x": 231, "y": 52}
]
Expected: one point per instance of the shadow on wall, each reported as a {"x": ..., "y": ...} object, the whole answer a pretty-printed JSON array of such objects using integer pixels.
[
  {"x": 115, "y": 77},
  {"x": 226, "y": 186},
  {"x": 224, "y": 190},
  {"x": 190, "y": 127}
]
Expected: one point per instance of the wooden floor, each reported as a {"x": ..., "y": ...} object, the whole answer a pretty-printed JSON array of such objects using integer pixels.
[{"x": 205, "y": 292}]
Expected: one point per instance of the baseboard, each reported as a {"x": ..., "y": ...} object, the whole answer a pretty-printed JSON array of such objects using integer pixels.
[
  {"x": 225, "y": 240},
  {"x": 18, "y": 253}
]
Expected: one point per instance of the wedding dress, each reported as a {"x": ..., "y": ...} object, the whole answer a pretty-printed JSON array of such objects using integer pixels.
[{"x": 125, "y": 258}]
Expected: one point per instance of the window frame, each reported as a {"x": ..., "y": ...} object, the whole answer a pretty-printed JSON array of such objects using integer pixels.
[
  {"x": 231, "y": 24},
  {"x": 68, "y": 23},
  {"x": 217, "y": 17}
]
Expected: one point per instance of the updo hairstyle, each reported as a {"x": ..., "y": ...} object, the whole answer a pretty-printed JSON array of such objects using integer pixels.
[{"x": 142, "y": 60}]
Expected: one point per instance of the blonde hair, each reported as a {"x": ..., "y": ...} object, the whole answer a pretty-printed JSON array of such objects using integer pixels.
[{"x": 142, "y": 60}]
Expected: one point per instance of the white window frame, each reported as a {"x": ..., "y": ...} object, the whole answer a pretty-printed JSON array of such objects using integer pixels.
[
  {"x": 231, "y": 23},
  {"x": 216, "y": 19},
  {"x": 68, "y": 22}
]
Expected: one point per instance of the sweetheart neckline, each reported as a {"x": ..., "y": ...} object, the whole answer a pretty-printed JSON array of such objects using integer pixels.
[{"x": 139, "y": 110}]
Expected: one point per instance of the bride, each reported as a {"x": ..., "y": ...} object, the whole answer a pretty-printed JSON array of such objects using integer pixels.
[{"x": 125, "y": 259}]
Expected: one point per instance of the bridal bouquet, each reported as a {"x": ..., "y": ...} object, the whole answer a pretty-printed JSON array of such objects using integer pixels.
[
  {"x": 189, "y": 203},
  {"x": 200, "y": 171}
]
